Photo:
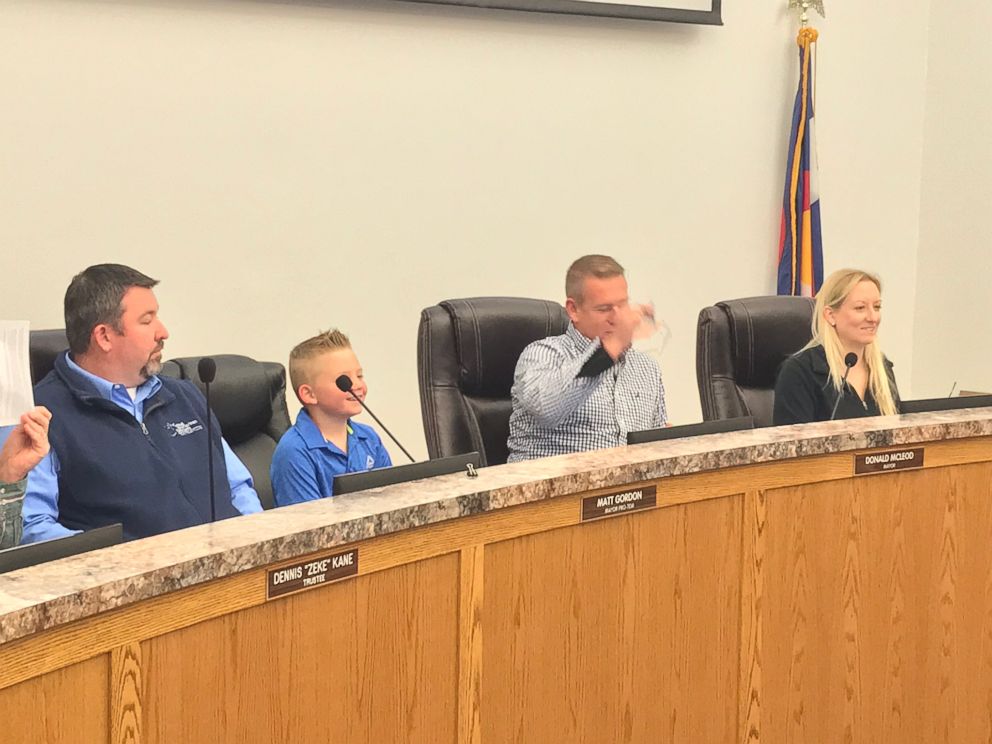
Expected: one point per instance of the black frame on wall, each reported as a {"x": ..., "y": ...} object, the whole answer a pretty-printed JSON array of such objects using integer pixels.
[{"x": 654, "y": 10}]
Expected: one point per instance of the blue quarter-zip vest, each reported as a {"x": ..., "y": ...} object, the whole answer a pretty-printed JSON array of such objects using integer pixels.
[{"x": 151, "y": 476}]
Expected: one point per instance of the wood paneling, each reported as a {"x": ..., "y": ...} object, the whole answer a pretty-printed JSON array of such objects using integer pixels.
[
  {"x": 370, "y": 659},
  {"x": 126, "y": 695},
  {"x": 470, "y": 645},
  {"x": 752, "y": 627},
  {"x": 69, "y": 644},
  {"x": 621, "y": 630},
  {"x": 68, "y": 706},
  {"x": 103, "y": 633},
  {"x": 876, "y": 613},
  {"x": 779, "y": 602}
]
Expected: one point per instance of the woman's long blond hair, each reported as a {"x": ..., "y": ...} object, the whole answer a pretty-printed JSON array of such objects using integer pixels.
[{"x": 832, "y": 294}]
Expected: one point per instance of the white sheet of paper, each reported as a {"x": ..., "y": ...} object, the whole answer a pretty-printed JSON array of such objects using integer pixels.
[{"x": 15, "y": 372}]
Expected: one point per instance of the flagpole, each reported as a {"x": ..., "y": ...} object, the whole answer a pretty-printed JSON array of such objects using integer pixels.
[{"x": 800, "y": 255}]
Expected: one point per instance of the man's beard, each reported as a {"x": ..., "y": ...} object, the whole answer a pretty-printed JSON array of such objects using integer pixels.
[{"x": 152, "y": 366}]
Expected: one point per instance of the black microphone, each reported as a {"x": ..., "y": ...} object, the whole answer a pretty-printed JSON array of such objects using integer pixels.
[
  {"x": 849, "y": 361},
  {"x": 206, "y": 368},
  {"x": 344, "y": 385}
]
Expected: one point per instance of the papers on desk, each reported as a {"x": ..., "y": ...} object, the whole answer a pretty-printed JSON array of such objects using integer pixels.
[{"x": 15, "y": 373}]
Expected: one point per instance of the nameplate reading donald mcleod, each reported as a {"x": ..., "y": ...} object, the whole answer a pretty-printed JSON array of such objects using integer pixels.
[
  {"x": 311, "y": 573},
  {"x": 883, "y": 462},
  {"x": 619, "y": 502}
]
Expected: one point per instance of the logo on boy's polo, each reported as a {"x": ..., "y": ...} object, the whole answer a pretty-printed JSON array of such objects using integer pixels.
[{"x": 184, "y": 428}]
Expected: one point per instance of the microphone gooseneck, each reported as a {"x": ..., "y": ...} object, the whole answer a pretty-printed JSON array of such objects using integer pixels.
[
  {"x": 344, "y": 385},
  {"x": 206, "y": 368},
  {"x": 849, "y": 361}
]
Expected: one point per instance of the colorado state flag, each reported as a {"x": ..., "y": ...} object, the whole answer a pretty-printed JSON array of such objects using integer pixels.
[{"x": 800, "y": 251}]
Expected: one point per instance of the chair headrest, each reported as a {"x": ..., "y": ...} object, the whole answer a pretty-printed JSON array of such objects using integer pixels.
[
  {"x": 240, "y": 394},
  {"x": 490, "y": 333},
  {"x": 43, "y": 348},
  {"x": 764, "y": 331}
]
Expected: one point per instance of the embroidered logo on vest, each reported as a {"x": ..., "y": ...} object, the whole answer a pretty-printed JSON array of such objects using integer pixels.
[{"x": 184, "y": 428}]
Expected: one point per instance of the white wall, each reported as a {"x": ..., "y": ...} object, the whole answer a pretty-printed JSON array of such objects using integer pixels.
[
  {"x": 954, "y": 310},
  {"x": 284, "y": 167}
]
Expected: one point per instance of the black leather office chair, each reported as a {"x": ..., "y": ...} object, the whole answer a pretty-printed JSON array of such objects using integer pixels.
[
  {"x": 740, "y": 345},
  {"x": 249, "y": 400},
  {"x": 43, "y": 348},
  {"x": 467, "y": 351}
]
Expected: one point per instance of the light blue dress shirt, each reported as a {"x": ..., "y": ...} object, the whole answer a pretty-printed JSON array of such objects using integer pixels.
[{"x": 40, "y": 510}]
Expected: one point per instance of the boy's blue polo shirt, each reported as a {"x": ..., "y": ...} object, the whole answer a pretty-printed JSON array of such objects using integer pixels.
[{"x": 304, "y": 463}]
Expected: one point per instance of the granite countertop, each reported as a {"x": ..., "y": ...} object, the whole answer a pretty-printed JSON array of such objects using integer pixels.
[{"x": 52, "y": 594}]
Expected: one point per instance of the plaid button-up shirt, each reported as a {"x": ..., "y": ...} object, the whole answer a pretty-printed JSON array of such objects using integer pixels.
[{"x": 556, "y": 412}]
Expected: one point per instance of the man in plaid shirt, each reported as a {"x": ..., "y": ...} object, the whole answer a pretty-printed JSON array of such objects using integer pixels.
[{"x": 587, "y": 388}]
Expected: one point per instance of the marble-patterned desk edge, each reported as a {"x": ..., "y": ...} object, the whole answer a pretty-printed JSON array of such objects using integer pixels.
[{"x": 53, "y": 594}]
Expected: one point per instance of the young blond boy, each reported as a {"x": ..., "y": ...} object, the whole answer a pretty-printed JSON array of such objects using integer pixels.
[{"x": 324, "y": 442}]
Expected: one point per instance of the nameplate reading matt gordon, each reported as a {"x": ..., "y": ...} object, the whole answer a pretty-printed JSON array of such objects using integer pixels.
[
  {"x": 883, "y": 462},
  {"x": 311, "y": 573},
  {"x": 619, "y": 502}
]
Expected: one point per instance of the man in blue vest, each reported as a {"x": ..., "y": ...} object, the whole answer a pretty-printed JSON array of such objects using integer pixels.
[{"x": 126, "y": 445}]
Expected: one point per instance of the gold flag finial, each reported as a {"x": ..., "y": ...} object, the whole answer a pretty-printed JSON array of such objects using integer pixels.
[{"x": 804, "y": 6}]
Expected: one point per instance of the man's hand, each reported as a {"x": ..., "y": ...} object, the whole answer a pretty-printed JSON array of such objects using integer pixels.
[
  {"x": 629, "y": 318},
  {"x": 647, "y": 325},
  {"x": 26, "y": 446}
]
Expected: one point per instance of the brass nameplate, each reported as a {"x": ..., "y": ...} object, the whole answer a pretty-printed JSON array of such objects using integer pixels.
[
  {"x": 883, "y": 462},
  {"x": 619, "y": 502},
  {"x": 311, "y": 573}
]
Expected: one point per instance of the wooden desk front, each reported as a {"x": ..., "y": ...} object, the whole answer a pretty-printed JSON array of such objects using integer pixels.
[{"x": 783, "y": 602}]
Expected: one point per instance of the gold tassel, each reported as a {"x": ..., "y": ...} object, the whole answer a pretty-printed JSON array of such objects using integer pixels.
[{"x": 807, "y": 35}]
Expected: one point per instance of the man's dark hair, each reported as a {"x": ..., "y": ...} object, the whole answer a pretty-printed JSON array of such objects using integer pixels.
[{"x": 94, "y": 297}]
